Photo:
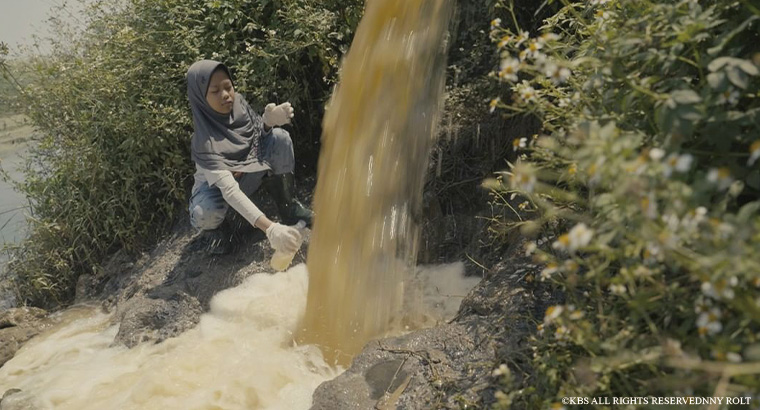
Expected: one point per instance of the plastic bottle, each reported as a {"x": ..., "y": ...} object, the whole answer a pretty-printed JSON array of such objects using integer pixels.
[{"x": 281, "y": 259}]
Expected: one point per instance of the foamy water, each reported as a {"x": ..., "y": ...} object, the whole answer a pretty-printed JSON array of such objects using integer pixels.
[{"x": 240, "y": 356}]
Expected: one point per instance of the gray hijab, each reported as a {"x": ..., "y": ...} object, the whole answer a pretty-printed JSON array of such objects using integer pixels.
[{"x": 222, "y": 141}]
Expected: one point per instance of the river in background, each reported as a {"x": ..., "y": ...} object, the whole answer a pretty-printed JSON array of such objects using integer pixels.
[{"x": 15, "y": 135}]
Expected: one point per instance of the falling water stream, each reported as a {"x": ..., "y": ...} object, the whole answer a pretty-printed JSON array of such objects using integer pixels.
[
  {"x": 378, "y": 132},
  {"x": 269, "y": 342}
]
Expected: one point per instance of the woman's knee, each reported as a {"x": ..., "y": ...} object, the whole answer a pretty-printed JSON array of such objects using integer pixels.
[
  {"x": 281, "y": 138},
  {"x": 207, "y": 217},
  {"x": 281, "y": 157}
]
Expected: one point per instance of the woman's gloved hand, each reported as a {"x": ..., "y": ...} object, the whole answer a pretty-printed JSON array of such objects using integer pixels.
[
  {"x": 283, "y": 238},
  {"x": 277, "y": 115}
]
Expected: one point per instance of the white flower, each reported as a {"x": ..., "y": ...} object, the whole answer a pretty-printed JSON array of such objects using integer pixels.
[
  {"x": 598, "y": 2},
  {"x": 564, "y": 102},
  {"x": 533, "y": 47},
  {"x": 652, "y": 253},
  {"x": 518, "y": 143},
  {"x": 530, "y": 247},
  {"x": 493, "y": 104},
  {"x": 649, "y": 206},
  {"x": 709, "y": 322},
  {"x": 722, "y": 288},
  {"x": 509, "y": 68},
  {"x": 733, "y": 357},
  {"x": 578, "y": 314},
  {"x": 504, "y": 41},
  {"x": 680, "y": 163},
  {"x": 552, "y": 312},
  {"x": 700, "y": 213},
  {"x": 617, "y": 289},
  {"x": 522, "y": 37},
  {"x": 602, "y": 15},
  {"x": 754, "y": 153},
  {"x": 500, "y": 371},
  {"x": 730, "y": 96},
  {"x": 523, "y": 178},
  {"x": 570, "y": 266},
  {"x": 556, "y": 74},
  {"x": 547, "y": 37},
  {"x": 548, "y": 271},
  {"x": 684, "y": 162},
  {"x": 656, "y": 154},
  {"x": 720, "y": 177},
  {"x": 578, "y": 237},
  {"x": 495, "y": 23},
  {"x": 527, "y": 93},
  {"x": 561, "y": 333},
  {"x": 642, "y": 272}
]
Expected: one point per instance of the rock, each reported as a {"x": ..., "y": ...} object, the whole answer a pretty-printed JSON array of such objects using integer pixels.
[
  {"x": 15, "y": 399},
  {"x": 406, "y": 372},
  {"x": 17, "y": 326},
  {"x": 85, "y": 289},
  {"x": 21, "y": 316},
  {"x": 447, "y": 366},
  {"x": 156, "y": 318}
]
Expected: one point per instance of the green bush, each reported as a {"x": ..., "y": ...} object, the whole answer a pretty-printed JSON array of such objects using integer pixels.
[
  {"x": 112, "y": 168},
  {"x": 648, "y": 160}
]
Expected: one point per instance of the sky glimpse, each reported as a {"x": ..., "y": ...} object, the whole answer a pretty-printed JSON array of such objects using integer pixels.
[{"x": 21, "y": 19}]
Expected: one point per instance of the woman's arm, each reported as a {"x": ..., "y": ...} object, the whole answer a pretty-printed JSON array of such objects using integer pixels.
[
  {"x": 238, "y": 200},
  {"x": 280, "y": 237}
]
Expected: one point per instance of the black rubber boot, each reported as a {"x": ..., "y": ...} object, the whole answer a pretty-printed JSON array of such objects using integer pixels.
[
  {"x": 219, "y": 241},
  {"x": 282, "y": 188}
]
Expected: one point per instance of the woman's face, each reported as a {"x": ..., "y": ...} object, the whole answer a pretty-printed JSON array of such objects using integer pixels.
[{"x": 220, "y": 94}]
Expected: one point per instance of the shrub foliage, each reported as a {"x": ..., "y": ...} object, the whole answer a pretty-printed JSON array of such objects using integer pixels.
[
  {"x": 648, "y": 158},
  {"x": 112, "y": 167}
]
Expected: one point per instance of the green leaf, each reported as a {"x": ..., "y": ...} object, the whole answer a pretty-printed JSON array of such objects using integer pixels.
[
  {"x": 717, "y": 81},
  {"x": 738, "y": 77},
  {"x": 748, "y": 67},
  {"x": 747, "y": 212},
  {"x": 686, "y": 97},
  {"x": 720, "y": 62}
]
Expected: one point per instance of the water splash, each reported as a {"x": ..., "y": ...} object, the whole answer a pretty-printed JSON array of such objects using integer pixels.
[
  {"x": 378, "y": 132},
  {"x": 240, "y": 356}
]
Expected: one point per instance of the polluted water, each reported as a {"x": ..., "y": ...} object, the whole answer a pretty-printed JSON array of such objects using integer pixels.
[
  {"x": 379, "y": 128},
  {"x": 269, "y": 342},
  {"x": 241, "y": 355}
]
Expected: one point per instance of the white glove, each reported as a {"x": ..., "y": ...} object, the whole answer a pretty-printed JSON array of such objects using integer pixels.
[
  {"x": 283, "y": 238},
  {"x": 276, "y": 115}
]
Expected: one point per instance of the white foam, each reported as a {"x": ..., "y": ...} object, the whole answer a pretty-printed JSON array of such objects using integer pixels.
[{"x": 240, "y": 356}]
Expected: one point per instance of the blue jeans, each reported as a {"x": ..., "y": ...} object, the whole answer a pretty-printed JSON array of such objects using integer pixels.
[{"x": 207, "y": 205}]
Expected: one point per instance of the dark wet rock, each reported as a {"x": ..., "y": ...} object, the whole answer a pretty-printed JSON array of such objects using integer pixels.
[
  {"x": 447, "y": 366},
  {"x": 17, "y": 326},
  {"x": 409, "y": 372},
  {"x": 157, "y": 318}
]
